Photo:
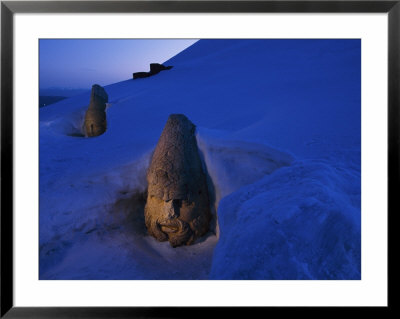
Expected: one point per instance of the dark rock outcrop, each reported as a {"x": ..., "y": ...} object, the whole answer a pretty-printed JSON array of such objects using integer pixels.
[
  {"x": 95, "y": 117},
  {"x": 178, "y": 205},
  {"x": 140, "y": 75},
  {"x": 155, "y": 68}
]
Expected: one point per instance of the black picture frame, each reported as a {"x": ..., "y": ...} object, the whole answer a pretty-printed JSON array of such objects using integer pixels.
[{"x": 9, "y": 8}]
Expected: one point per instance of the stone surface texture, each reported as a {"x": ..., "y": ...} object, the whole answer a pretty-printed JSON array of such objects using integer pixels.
[
  {"x": 178, "y": 204},
  {"x": 95, "y": 117}
]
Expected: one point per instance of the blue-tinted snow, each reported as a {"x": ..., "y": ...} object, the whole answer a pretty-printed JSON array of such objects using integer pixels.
[
  {"x": 278, "y": 125},
  {"x": 300, "y": 222}
]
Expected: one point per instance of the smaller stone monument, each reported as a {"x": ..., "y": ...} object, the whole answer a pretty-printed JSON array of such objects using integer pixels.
[{"x": 95, "y": 117}]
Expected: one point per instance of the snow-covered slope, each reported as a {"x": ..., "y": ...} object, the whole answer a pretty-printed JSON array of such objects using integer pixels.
[{"x": 278, "y": 126}]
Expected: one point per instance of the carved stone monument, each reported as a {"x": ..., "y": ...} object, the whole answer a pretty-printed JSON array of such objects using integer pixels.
[
  {"x": 95, "y": 117},
  {"x": 178, "y": 205}
]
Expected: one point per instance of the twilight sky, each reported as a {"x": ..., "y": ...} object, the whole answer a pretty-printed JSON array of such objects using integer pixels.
[{"x": 80, "y": 63}]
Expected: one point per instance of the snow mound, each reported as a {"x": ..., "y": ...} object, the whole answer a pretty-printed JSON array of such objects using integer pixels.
[
  {"x": 232, "y": 164},
  {"x": 301, "y": 222}
]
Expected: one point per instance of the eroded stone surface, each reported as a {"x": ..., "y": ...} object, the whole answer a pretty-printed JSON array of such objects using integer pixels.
[
  {"x": 95, "y": 117},
  {"x": 178, "y": 205}
]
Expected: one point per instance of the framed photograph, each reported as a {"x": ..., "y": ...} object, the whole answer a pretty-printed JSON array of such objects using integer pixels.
[{"x": 166, "y": 158}]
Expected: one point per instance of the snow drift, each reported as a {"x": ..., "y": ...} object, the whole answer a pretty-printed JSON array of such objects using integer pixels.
[
  {"x": 301, "y": 222},
  {"x": 278, "y": 127}
]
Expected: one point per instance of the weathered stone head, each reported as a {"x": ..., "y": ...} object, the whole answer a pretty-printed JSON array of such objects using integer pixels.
[
  {"x": 178, "y": 206},
  {"x": 95, "y": 117}
]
